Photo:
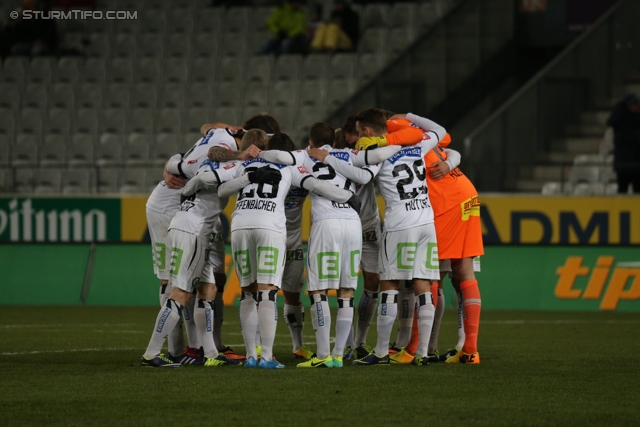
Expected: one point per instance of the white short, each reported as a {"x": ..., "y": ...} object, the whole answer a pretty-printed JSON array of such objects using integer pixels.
[
  {"x": 215, "y": 261},
  {"x": 158, "y": 224},
  {"x": 335, "y": 246},
  {"x": 409, "y": 254},
  {"x": 293, "y": 276},
  {"x": 188, "y": 255},
  {"x": 258, "y": 255},
  {"x": 370, "y": 248},
  {"x": 445, "y": 266}
]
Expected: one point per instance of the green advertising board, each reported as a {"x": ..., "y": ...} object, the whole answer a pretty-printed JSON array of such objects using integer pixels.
[{"x": 42, "y": 219}]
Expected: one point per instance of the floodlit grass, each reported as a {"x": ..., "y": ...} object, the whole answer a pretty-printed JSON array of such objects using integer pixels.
[{"x": 80, "y": 366}]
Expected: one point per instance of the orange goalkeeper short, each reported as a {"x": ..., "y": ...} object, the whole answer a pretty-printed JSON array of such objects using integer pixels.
[{"x": 459, "y": 231}]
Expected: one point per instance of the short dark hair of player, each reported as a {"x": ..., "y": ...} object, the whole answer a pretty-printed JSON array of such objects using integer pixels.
[
  {"x": 281, "y": 141},
  {"x": 373, "y": 118},
  {"x": 349, "y": 124},
  {"x": 263, "y": 121},
  {"x": 340, "y": 142},
  {"x": 321, "y": 133}
]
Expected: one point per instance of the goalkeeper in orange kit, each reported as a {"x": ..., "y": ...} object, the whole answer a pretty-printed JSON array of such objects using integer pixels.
[{"x": 456, "y": 207}]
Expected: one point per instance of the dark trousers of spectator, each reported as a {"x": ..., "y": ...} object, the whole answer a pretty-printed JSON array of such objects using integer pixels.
[
  {"x": 295, "y": 44},
  {"x": 625, "y": 178}
]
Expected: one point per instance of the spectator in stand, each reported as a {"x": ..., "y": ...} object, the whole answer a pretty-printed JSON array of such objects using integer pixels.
[
  {"x": 33, "y": 36},
  {"x": 625, "y": 121},
  {"x": 340, "y": 33},
  {"x": 288, "y": 24}
]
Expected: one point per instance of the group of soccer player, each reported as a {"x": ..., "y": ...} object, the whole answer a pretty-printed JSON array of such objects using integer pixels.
[{"x": 431, "y": 228}]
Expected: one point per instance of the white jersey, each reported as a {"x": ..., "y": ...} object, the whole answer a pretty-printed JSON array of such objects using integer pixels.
[
  {"x": 197, "y": 215},
  {"x": 369, "y": 214},
  {"x": 401, "y": 179},
  {"x": 321, "y": 207},
  {"x": 263, "y": 205},
  {"x": 167, "y": 200},
  {"x": 293, "y": 211}
]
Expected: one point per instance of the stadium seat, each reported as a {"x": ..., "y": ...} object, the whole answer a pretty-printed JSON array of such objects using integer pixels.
[
  {"x": 227, "y": 95},
  {"x": 86, "y": 121},
  {"x": 230, "y": 70},
  {"x": 31, "y": 121},
  {"x": 177, "y": 46},
  {"x": 24, "y": 180},
  {"x": 132, "y": 181},
  {"x": 203, "y": 46},
  {"x": 284, "y": 93},
  {"x": 314, "y": 67},
  {"x": 141, "y": 120},
  {"x": 373, "y": 40},
  {"x": 53, "y": 152},
  {"x": 154, "y": 176},
  {"x": 145, "y": 95},
  {"x": 114, "y": 120},
  {"x": 307, "y": 116},
  {"x": 181, "y": 23},
  {"x": 313, "y": 92},
  {"x": 172, "y": 95},
  {"x": 229, "y": 115},
  {"x": 148, "y": 70},
  {"x": 203, "y": 70},
  {"x": 339, "y": 91},
  {"x": 402, "y": 15},
  {"x": 47, "y": 181},
  {"x": 109, "y": 150},
  {"x": 196, "y": 117},
  {"x": 59, "y": 122},
  {"x": 24, "y": 152},
  {"x": 607, "y": 175},
  {"x": 588, "y": 189},
  {"x": 233, "y": 45},
  {"x": 35, "y": 95},
  {"x": 428, "y": 14},
  {"x": 399, "y": 40},
  {"x": 551, "y": 189},
  {"x": 369, "y": 64},
  {"x": 286, "y": 117},
  {"x": 236, "y": 20},
  {"x": 163, "y": 147},
  {"x": 120, "y": 71},
  {"x": 156, "y": 4},
  {"x": 154, "y": 22},
  {"x": 258, "y": 18},
  {"x": 611, "y": 189},
  {"x": 259, "y": 68},
  {"x": 10, "y": 96},
  {"x": 199, "y": 95},
  {"x": 117, "y": 95},
  {"x": 78, "y": 181},
  {"x": 175, "y": 70},
  {"x": 127, "y": 26},
  {"x": 136, "y": 150},
  {"x": 374, "y": 16},
  {"x": 288, "y": 67},
  {"x": 68, "y": 70},
  {"x": 62, "y": 95},
  {"x": 5, "y": 151},
  {"x": 210, "y": 20},
  {"x": 7, "y": 122},
  {"x": 123, "y": 47},
  {"x": 80, "y": 152},
  {"x": 342, "y": 66},
  {"x": 170, "y": 120},
  {"x": 40, "y": 70},
  {"x": 150, "y": 46},
  {"x": 94, "y": 71},
  {"x": 98, "y": 46},
  {"x": 14, "y": 70},
  {"x": 6, "y": 181},
  {"x": 257, "y": 39},
  {"x": 107, "y": 179},
  {"x": 184, "y": 5},
  {"x": 585, "y": 169},
  {"x": 89, "y": 95},
  {"x": 256, "y": 95}
]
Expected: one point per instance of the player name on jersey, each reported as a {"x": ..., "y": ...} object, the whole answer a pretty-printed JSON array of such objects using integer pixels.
[{"x": 266, "y": 205}]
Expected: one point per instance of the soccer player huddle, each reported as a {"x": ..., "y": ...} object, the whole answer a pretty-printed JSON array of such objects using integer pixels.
[{"x": 431, "y": 229}]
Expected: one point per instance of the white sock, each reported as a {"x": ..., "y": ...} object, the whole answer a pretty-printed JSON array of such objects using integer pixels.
[
  {"x": 189, "y": 324},
  {"x": 321, "y": 320},
  {"x": 426, "y": 312},
  {"x": 248, "y": 314},
  {"x": 366, "y": 310},
  {"x": 407, "y": 305},
  {"x": 461, "y": 334},
  {"x": 433, "y": 342},
  {"x": 167, "y": 319},
  {"x": 217, "y": 321},
  {"x": 175, "y": 341},
  {"x": 344, "y": 321},
  {"x": 294, "y": 317},
  {"x": 268, "y": 321},
  {"x": 203, "y": 315},
  {"x": 387, "y": 311},
  {"x": 258, "y": 340}
]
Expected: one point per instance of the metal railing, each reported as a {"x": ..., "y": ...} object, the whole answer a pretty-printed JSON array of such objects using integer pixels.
[
  {"x": 584, "y": 76},
  {"x": 439, "y": 61}
]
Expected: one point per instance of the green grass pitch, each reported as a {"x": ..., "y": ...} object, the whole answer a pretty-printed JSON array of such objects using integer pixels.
[{"x": 79, "y": 366}]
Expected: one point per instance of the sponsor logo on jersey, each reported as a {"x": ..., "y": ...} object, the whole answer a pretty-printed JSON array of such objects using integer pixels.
[
  {"x": 342, "y": 155},
  {"x": 297, "y": 192},
  {"x": 259, "y": 160},
  {"x": 302, "y": 170},
  {"x": 190, "y": 162},
  {"x": 407, "y": 152},
  {"x": 210, "y": 164},
  {"x": 229, "y": 166}
]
